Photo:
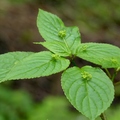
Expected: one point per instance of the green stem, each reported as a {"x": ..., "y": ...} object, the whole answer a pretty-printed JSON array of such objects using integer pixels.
[
  {"x": 117, "y": 83},
  {"x": 108, "y": 73},
  {"x": 103, "y": 117},
  {"x": 73, "y": 62},
  {"x": 114, "y": 75}
]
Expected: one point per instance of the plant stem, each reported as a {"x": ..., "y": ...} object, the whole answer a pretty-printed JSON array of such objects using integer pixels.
[
  {"x": 117, "y": 83},
  {"x": 114, "y": 75},
  {"x": 108, "y": 73},
  {"x": 103, "y": 117},
  {"x": 73, "y": 62}
]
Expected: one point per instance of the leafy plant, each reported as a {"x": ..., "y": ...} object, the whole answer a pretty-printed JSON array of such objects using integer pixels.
[{"x": 89, "y": 89}]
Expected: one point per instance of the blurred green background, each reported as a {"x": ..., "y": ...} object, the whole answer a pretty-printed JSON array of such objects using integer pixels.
[{"x": 43, "y": 98}]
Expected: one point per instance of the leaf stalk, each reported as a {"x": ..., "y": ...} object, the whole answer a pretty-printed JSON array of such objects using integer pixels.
[
  {"x": 108, "y": 73},
  {"x": 103, "y": 117}
]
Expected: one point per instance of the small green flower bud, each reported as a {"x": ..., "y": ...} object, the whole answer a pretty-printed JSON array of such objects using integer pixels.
[
  {"x": 55, "y": 56},
  {"x": 84, "y": 48},
  {"x": 62, "y": 33},
  {"x": 114, "y": 61},
  {"x": 86, "y": 76}
]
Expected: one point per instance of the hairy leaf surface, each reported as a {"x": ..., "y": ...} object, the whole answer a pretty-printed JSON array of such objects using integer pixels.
[
  {"x": 20, "y": 65},
  {"x": 88, "y": 89},
  {"x": 106, "y": 55}
]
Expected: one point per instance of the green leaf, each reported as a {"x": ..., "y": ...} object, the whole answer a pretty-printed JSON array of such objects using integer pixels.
[
  {"x": 54, "y": 32},
  {"x": 67, "y": 46},
  {"x": 72, "y": 39},
  {"x": 106, "y": 55},
  {"x": 56, "y": 47},
  {"x": 88, "y": 89},
  {"x": 20, "y": 65},
  {"x": 49, "y": 25},
  {"x": 8, "y": 60}
]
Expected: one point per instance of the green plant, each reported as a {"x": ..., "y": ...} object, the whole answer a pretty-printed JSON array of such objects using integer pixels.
[{"x": 89, "y": 89}]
